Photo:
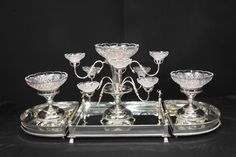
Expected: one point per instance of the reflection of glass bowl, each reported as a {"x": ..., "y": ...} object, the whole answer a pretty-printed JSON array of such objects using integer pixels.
[
  {"x": 116, "y": 50},
  {"x": 147, "y": 82},
  {"x": 120, "y": 64},
  {"x": 88, "y": 87},
  {"x": 74, "y": 57},
  {"x": 46, "y": 81},
  {"x": 191, "y": 79},
  {"x": 159, "y": 56},
  {"x": 140, "y": 72}
]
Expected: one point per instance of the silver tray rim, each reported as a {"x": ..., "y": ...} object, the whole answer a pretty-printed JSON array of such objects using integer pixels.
[
  {"x": 73, "y": 134},
  {"x": 200, "y": 132},
  {"x": 44, "y": 135}
]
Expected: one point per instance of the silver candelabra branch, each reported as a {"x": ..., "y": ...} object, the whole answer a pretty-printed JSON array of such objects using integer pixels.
[{"x": 118, "y": 57}]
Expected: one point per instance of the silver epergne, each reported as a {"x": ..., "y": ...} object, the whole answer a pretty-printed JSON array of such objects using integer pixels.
[
  {"x": 47, "y": 84},
  {"x": 118, "y": 57},
  {"x": 140, "y": 118},
  {"x": 191, "y": 83}
]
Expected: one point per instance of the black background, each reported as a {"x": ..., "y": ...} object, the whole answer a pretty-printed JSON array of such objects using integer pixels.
[{"x": 199, "y": 34}]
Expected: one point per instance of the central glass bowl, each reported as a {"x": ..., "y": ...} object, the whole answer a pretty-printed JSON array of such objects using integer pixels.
[{"x": 118, "y": 51}]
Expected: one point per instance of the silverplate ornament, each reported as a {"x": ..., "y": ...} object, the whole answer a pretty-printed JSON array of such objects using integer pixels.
[
  {"x": 47, "y": 84},
  {"x": 143, "y": 118},
  {"x": 191, "y": 83}
]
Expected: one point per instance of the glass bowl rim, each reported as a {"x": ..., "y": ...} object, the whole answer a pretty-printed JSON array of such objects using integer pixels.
[
  {"x": 108, "y": 45},
  {"x": 209, "y": 74},
  {"x": 64, "y": 76}
]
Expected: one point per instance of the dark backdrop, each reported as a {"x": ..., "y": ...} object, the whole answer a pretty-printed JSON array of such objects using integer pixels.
[{"x": 35, "y": 35}]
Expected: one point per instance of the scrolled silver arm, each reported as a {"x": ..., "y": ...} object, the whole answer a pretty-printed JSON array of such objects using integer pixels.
[
  {"x": 136, "y": 90},
  {"x": 151, "y": 75},
  {"x": 88, "y": 74},
  {"x": 129, "y": 77},
  {"x": 101, "y": 82}
]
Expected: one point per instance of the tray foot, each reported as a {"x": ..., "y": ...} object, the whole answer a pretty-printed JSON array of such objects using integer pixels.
[
  {"x": 166, "y": 140},
  {"x": 71, "y": 141}
]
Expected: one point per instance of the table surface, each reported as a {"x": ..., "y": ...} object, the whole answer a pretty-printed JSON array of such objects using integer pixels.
[{"x": 222, "y": 142}]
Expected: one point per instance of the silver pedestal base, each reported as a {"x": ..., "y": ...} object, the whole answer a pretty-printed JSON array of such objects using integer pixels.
[
  {"x": 117, "y": 115},
  {"x": 51, "y": 114},
  {"x": 190, "y": 115},
  {"x": 51, "y": 126}
]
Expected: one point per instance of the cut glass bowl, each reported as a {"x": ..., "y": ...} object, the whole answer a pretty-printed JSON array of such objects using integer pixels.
[
  {"x": 191, "y": 79},
  {"x": 46, "y": 81},
  {"x": 116, "y": 50},
  {"x": 93, "y": 72},
  {"x": 147, "y": 82},
  {"x": 159, "y": 55},
  {"x": 140, "y": 72},
  {"x": 88, "y": 87},
  {"x": 120, "y": 64},
  {"x": 74, "y": 57}
]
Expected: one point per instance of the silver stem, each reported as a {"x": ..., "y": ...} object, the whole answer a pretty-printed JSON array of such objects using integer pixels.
[
  {"x": 190, "y": 97},
  {"x": 190, "y": 107},
  {"x": 102, "y": 91},
  {"x": 49, "y": 98},
  {"x": 116, "y": 79},
  {"x": 86, "y": 102}
]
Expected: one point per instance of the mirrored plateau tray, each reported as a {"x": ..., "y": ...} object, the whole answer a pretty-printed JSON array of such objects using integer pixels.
[
  {"x": 146, "y": 122},
  {"x": 34, "y": 126},
  {"x": 151, "y": 119}
]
